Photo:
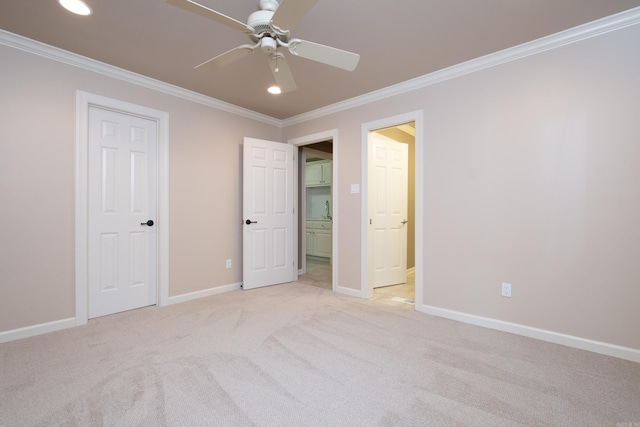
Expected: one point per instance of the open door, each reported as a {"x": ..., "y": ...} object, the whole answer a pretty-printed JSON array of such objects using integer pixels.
[
  {"x": 268, "y": 214},
  {"x": 388, "y": 164}
]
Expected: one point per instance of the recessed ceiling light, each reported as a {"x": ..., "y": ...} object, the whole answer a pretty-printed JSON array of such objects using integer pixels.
[
  {"x": 274, "y": 90},
  {"x": 76, "y": 6}
]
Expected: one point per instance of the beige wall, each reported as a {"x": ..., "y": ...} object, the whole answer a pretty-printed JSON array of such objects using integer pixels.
[
  {"x": 37, "y": 178},
  {"x": 531, "y": 176}
]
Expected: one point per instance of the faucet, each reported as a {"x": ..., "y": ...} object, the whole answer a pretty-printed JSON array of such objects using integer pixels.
[{"x": 326, "y": 209}]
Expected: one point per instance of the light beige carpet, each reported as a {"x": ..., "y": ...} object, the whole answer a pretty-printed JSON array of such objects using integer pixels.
[{"x": 298, "y": 355}]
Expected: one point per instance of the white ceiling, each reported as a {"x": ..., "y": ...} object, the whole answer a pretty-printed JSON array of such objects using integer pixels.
[{"x": 397, "y": 40}]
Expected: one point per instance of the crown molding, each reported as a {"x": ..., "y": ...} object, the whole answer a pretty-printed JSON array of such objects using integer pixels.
[
  {"x": 41, "y": 49},
  {"x": 582, "y": 32},
  {"x": 605, "y": 25}
]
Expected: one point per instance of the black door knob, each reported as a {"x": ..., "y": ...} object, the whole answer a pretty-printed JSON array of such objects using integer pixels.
[
  {"x": 250, "y": 222},
  {"x": 149, "y": 223}
]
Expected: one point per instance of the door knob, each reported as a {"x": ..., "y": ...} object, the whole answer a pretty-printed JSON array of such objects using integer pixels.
[
  {"x": 405, "y": 221},
  {"x": 250, "y": 222},
  {"x": 149, "y": 223}
]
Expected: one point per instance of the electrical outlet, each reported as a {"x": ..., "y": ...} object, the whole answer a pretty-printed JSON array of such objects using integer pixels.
[
  {"x": 228, "y": 263},
  {"x": 506, "y": 290}
]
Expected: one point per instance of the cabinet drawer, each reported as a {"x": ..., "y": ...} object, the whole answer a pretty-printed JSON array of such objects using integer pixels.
[{"x": 318, "y": 224}]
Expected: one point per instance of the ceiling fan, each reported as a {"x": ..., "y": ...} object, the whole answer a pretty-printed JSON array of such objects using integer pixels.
[{"x": 269, "y": 29}]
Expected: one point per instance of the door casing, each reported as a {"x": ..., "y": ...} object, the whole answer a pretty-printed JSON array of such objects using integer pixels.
[
  {"x": 366, "y": 290},
  {"x": 83, "y": 101}
]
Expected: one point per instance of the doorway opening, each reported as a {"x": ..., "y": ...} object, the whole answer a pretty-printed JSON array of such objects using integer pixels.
[
  {"x": 391, "y": 206},
  {"x": 391, "y": 210},
  {"x": 317, "y": 209},
  {"x": 316, "y": 190}
]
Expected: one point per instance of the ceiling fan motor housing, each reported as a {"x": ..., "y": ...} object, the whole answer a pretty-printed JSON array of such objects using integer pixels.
[{"x": 260, "y": 21}]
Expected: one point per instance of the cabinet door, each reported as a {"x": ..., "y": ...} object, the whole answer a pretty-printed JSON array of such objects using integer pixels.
[
  {"x": 327, "y": 173},
  {"x": 313, "y": 174},
  {"x": 323, "y": 243},
  {"x": 309, "y": 237}
]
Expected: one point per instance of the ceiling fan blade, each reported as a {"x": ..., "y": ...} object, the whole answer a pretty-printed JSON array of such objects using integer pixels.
[
  {"x": 226, "y": 58},
  {"x": 289, "y": 12},
  {"x": 205, "y": 12},
  {"x": 282, "y": 72},
  {"x": 325, "y": 54}
]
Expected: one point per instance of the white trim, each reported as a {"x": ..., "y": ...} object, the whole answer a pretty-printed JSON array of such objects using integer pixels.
[
  {"x": 83, "y": 101},
  {"x": 540, "y": 334},
  {"x": 572, "y": 35},
  {"x": 310, "y": 139},
  {"x": 348, "y": 291},
  {"x": 203, "y": 293},
  {"x": 366, "y": 291},
  {"x": 34, "y": 330},
  {"x": 75, "y": 60}
]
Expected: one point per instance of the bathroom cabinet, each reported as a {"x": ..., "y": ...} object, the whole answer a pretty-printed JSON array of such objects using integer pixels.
[{"x": 318, "y": 238}]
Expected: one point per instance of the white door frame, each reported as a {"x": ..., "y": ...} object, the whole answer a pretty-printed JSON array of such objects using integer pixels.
[
  {"x": 85, "y": 100},
  {"x": 366, "y": 290},
  {"x": 306, "y": 140}
]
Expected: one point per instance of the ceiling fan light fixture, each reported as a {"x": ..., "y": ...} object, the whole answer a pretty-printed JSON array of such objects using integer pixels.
[
  {"x": 76, "y": 6},
  {"x": 274, "y": 90}
]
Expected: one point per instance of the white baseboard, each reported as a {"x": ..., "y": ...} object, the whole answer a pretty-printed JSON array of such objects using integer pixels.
[
  {"x": 58, "y": 325},
  {"x": 348, "y": 291},
  {"x": 204, "y": 293},
  {"x": 541, "y": 334},
  {"x": 34, "y": 330}
]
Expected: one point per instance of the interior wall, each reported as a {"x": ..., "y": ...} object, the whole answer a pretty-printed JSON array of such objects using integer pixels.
[
  {"x": 531, "y": 172},
  {"x": 530, "y": 169},
  {"x": 37, "y": 179}
]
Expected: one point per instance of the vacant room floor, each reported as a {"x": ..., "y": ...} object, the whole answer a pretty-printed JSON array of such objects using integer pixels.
[{"x": 300, "y": 355}]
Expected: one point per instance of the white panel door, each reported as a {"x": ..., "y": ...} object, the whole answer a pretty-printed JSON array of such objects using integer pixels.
[
  {"x": 268, "y": 217},
  {"x": 122, "y": 184},
  {"x": 388, "y": 192}
]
